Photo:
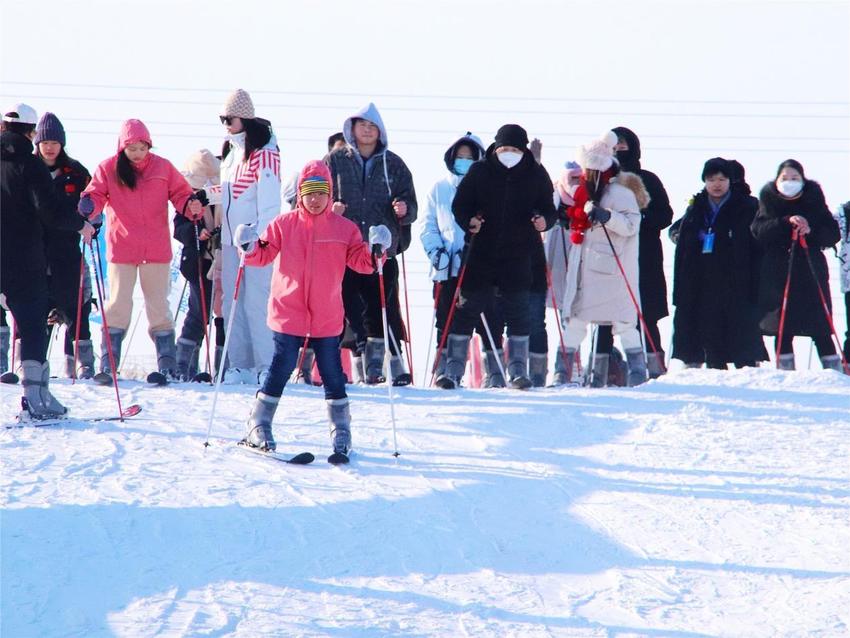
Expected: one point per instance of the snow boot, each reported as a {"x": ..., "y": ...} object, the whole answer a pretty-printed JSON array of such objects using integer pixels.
[
  {"x": 563, "y": 372},
  {"x": 259, "y": 432},
  {"x": 655, "y": 364},
  {"x": 85, "y": 359},
  {"x": 831, "y": 362},
  {"x": 537, "y": 363},
  {"x": 40, "y": 403},
  {"x": 305, "y": 373},
  {"x": 166, "y": 357},
  {"x": 441, "y": 363},
  {"x": 115, "y": 337},
  {"x": 339, "y": 415},
  {"x": 401, "y": 376},
  {"x": 637, "y": 367},
  {"x": 357, "y": 369},
  {"x": 4, "y": 348},
  {"x": 599, "y": 372},
  {"x": 374, "y": 361},
  {"x": 457, "y": 351},
  {"x": 786, "y": 361},
  {"x": 517, "y": 369},
  {"x": 493, "y": 377},
  {"x": 186, "y": 349}
]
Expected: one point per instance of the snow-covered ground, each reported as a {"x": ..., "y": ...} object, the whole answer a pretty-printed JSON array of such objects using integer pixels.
[{"x": 703, "y": 504}]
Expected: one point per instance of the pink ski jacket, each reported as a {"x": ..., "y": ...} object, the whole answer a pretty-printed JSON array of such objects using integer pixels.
[
  {"x": 310, "y": 254},
  {"x": 137, "y": 230}
]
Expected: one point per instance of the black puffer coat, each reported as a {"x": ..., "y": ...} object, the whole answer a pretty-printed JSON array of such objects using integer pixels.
[
  {"x": 501, "y": 253},
  {"x": 805, "y": 314},
  {"x": 28, "y": 203},
  {"x": 654, "y": 218},
  {"x": 715, "y": 294}
]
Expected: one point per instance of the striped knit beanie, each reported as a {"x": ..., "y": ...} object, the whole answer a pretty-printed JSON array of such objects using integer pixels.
[
  {"x": 239, "y": 104},
  {"x": 314, "y": 184}
]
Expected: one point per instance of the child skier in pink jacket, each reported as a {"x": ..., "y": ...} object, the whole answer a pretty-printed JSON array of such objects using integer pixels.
[
  {"x": 133, "y": 188},
  {"x": 311, "y": 247}
]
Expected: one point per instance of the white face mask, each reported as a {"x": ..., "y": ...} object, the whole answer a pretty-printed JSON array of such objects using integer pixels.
[
  {"x": 509, "y": 159},
  {"x": 790, "y": 188}
]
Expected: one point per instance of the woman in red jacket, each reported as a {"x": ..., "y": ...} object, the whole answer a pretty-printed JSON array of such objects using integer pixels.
[
  {"x": 311, "y": 247},
  {"x": 133, "y": 188}
]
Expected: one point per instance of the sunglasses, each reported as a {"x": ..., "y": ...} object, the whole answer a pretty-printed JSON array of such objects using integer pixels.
[{"x": 226, "y": 119}]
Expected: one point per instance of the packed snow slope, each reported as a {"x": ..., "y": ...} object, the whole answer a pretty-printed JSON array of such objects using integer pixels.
[{"x": 703, "y": 504}]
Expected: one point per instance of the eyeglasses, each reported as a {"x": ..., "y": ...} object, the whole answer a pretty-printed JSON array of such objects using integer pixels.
[{"x": 226, "y": 119}]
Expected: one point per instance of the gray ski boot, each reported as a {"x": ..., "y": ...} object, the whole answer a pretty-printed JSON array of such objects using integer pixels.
[
  {"x": 401, "y": 376},
  {"x": 517, "y": 369},
  {"x": 831, "y": 362},
  {"x": 186, "y": 349},
  {"x": 637, "y": 367},
  {"x": 537, "y": 364},
  {"x": 599, "y": 371},
  {"x": 357, "y": 370},
  {"x": 374, "y": 361},
  {"x": 85, "y": 356},
  {"x": 655, "y": 364},
  {"x": 259, "y": 434},
  {"x": 166, "y": 357},
  {"x": 563, "y": 372},
  {"x": 40, "y": 403},
  {"x": 115, "y": 337},
  {"x": 492, "y": 372},
  {"x": 786, "y": 361},
  {"x": 441, "y": 363},
  {"x": 339, "y": 416},
  {"x": 457, "y": 352}
]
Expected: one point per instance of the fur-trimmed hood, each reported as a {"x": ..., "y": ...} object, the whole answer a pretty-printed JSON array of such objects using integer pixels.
[
  {"x": 811, "y": 197},
  {"x": 634, "y": 183}
]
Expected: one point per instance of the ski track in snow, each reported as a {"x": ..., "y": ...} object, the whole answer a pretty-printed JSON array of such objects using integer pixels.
[{"x": 702, "y": 504}]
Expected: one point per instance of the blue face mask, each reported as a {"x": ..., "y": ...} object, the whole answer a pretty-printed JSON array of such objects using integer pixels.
[{"x": 462, "y": 165}]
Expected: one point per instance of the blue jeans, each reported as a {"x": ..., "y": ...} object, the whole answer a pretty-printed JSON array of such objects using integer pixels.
[{"x": 285, "y": 359}]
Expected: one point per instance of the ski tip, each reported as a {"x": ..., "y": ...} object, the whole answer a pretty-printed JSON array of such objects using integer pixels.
[
  {"x": 131, "y": 410},
  {"x": 302, "y": 459},
  {"x": 9, "y": 377}
]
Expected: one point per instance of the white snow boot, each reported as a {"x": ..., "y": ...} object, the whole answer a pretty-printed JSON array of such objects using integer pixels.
[
  {"x": 40, "y": 403},
  {"x": 259, "y": 432}
]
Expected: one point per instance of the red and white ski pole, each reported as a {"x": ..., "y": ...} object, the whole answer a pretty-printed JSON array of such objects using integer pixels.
[
  {"x": 437, "y": 290},
  {"x": 100, "y": 284}
]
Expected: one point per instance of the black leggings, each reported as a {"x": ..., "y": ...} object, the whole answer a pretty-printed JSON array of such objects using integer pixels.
[
  {"x": 823, "y": 343},
  {"x": 31, "y": 323}
]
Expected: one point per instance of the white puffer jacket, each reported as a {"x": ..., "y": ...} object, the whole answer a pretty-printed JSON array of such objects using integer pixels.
[
  {"x": 595, "y": 291},
  {"x": 250, "y": 191}
]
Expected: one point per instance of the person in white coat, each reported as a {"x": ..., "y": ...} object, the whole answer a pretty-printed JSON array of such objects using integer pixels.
[
  {"x": 444, "y": 242},
  {"x": 605, "y": 214},
  {"x": 249, "y": 194}
]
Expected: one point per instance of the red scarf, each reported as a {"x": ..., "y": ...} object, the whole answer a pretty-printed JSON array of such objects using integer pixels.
[{"x": 578, "y": 218}]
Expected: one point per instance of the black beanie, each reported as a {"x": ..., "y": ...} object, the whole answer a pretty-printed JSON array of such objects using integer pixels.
[
  {"x": 717, "y": 165},
  {"x": 512, "y": 135}
]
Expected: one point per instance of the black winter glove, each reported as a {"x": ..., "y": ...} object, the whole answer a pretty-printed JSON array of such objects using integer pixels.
[{"x": 598, "y": 215}]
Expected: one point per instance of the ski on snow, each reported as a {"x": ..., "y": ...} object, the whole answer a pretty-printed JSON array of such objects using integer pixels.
[
  {"x": 304, "y": 458},
  {"x": 128, "y": 412}
]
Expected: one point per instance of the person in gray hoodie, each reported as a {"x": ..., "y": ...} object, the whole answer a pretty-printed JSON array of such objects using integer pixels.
[{"x": 374, "y": 186}]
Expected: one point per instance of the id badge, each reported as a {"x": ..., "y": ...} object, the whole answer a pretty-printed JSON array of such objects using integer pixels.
[{"x": 708, "y": 243}]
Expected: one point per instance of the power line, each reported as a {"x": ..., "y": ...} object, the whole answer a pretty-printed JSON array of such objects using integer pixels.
[
  {"x": 442, "y": 144},
  {"x": 427, "y": 96},
  {"x": 455, "y": 132},
  {"x": 454, "y": 110}
]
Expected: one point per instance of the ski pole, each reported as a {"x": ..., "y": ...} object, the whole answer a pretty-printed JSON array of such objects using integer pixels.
[
  {"x": 591, "y": 369},
  {"x": 203, "y": 293},
  {"x": 437, "y": 289},
  {"x": 376, "y": 252},
  {"x": 634, "y": 299},
  {"x": 129, "y": 342},
  {"x": 442, "y": 344},
  {"x": 784, "y": 309},
  {"x": 493, "y": 347},
  {"x": 408, "y": 345},
  {"x": 220, "y": 373},
  {"x": 563, "y": 350},
  {"x": 100, "y": 282},
  {"x": 79, "y": 317},
  {"x": 824, "y": 304}
]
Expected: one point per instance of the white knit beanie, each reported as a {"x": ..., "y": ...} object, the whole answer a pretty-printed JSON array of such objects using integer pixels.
[
  {"x": 202, "y": 167},
  {"x": 598, "y": 154},
  {"x": 239, "y": 104}
]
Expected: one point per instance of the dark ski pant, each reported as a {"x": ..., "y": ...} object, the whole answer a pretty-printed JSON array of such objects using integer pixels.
[
  {"x": 285, "y": 358},
  {"x": 824, "y": 344},
  {"x": 71, "y": 328},
  {"x": 193, "y": 324},
  {"x": 30, "y": 313},
  {"x": 471, "y": 303},
  {"x": 492, "y": 312},
  {"x": 538, "y": 341},
  {"x": 361, "y": 298}
]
